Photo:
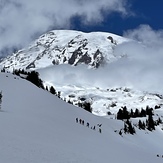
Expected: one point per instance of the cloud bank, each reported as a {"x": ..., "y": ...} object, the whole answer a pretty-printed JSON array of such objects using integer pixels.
[
  {"x": 22, "y": 20},
  {"x": 141, "y": 67}
]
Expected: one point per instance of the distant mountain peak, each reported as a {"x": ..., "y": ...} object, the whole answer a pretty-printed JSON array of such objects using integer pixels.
[{"x": 66, "y": 47}]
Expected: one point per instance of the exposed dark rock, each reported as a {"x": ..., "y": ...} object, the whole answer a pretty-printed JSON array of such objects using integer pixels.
[
  {"x": 98, "y": 59},
  {"x": 74, "y": 56},
  {"x": 111, "y": 39},
  {"x": 85, "y": 59}
]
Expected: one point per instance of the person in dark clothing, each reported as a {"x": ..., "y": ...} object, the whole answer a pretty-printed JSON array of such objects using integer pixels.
[
  {"x": 82, "y": 122},
  {"x": 76, "y": 120},
  {"x": 100, "y": 130},
  {"x": 99, "y": 125},
  {"x": 87, "y": 124},
  {"x": 94, "y": 128}
]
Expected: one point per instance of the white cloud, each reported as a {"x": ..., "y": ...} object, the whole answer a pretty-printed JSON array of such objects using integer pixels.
[
  {"x": 20, "y": 20},
  {"x": 146, "y": 35},
  {"x": 141, "y": 68}
]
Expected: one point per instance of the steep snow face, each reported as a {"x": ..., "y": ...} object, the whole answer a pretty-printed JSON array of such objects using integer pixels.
[
  {"x": 66, "y": 47},
  {"x": 38, "y": 127}
]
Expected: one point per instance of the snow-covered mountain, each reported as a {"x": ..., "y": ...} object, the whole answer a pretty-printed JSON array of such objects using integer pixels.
[
  {"x": 36, "y": 126},
  {"x": 52, "y": 53},
  {"x": 66, "y": 47}
]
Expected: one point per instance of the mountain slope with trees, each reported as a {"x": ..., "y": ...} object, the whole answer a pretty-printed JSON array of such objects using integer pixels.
[{"x": 37, "y": 126}]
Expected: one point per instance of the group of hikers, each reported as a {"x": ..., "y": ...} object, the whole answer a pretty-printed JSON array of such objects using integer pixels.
[
  {"x": 159, "y": 155},
  {"x": 80, "y": 121}
]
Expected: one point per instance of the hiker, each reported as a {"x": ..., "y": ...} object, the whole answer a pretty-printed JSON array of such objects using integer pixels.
[
  {"x": 99, "y": 130},
  {"x": 94, "y": 128},
  {"x": 76, "y": 120},
  {"x": 99, "y": 125},
  {"x": 87, "y": 124},
  {"x": 82, "y": 122}
]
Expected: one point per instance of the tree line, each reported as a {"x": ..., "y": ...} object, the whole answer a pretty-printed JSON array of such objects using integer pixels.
[
  {"x": 150, "y": 123},
  {"x": 34, "y": 78}
]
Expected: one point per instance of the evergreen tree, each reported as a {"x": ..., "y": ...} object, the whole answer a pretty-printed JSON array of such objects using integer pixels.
[
  {"x": 87, "y": 106},
  {"x": 47, "y": 88},
  {"x": 149, "y": 111},
  {"x": 141, "y": 125},
  {"x": 80, "y": 104},
  {"x": 69, "y": 101},
  {"x": 131, "y": 113},
  {"x": 143, "y": 113},
  {"x": 159, "y": 121},
  {"x": 59, "y": 94},
  {"x": 150, "y": 123},
  {"x": 130, "y": 129},
  {"x": 3, "y": 70},
  {"x": 137, "y": 113},
  {"x": 120, "y": 114},
  {"x": 52, "y": 90},
  {"x": 34, "y": 78},
  {"x": 125, "y": 113}
]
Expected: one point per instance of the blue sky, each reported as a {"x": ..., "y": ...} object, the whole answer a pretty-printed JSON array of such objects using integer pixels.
[
  {"x": 22, "y": 21},
  {"x": 147, "y": 12}
]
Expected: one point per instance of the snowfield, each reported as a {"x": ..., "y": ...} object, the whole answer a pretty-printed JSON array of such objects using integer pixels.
[
  {"x": 38, "y": 127},
  {"x": 76, "y": 83}
]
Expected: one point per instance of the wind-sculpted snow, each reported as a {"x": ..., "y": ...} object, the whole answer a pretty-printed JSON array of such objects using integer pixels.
[{"x": 37, "y": 126}]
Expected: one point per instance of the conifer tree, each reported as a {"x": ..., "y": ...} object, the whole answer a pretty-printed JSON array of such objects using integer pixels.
[
  {"x": 120, "y": 114},
  {"x": 150, "y": 123},
  {"x": 87, "y": 106},
  {"x": 131, "y": 113},
  {"x": 52, "y": 90},
  {"x": 129, "y": 128},
  {"x": 141, "y": 125},
  {"x": 142, "y": 113},
  {"x": 137, "y": 113},
  {"x": 34, "y": 78}
]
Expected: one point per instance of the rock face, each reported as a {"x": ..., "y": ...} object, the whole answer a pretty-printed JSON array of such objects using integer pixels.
[{"x": 66, "y": 47}]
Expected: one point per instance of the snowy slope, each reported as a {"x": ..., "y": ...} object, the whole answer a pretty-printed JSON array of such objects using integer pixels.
[
  {"x": 38, "y": 127},
  {"x": 52, "y": 53},
  {"x": 78, "y": 85},
  {"x": 66, "y": 47}
]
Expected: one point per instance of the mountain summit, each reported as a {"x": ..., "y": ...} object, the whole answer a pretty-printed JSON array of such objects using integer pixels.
[{"x": 66, "y": 47}]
